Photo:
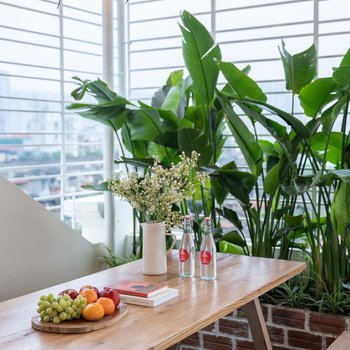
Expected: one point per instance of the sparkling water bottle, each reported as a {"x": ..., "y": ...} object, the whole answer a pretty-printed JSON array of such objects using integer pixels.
[
  {"x": 208, "y": 252},
  {"x": 186, "y": 249}
]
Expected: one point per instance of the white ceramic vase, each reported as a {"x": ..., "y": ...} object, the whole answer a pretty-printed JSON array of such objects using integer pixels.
[{"x": 154, "y": 253}]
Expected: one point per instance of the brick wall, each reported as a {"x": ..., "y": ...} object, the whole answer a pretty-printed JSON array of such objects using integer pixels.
[{"x": 288, "y": 329}]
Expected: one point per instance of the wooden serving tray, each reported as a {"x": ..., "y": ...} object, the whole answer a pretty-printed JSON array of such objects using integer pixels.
[{"x": 81, "y": 325}]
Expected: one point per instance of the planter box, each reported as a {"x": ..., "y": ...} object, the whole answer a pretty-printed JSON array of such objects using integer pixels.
[{"x": 289, "y": 329}]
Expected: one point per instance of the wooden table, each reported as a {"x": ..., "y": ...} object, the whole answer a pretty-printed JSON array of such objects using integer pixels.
[{"x": 241, "y": 280}]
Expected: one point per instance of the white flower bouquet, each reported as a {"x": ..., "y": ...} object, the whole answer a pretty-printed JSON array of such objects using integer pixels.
[{"x": 160, "y": 191}]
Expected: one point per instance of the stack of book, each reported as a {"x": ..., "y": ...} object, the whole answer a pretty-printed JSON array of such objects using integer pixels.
[{"x": 144, "y": 293}]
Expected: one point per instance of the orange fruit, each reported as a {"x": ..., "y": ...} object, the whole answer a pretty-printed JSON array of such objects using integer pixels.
[
  {"x": 93, "y": 312},
  {"x": 90, "y": 295},
  {"x": 108, "y": 305}
]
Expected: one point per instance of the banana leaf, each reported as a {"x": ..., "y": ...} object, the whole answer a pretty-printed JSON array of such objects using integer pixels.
[
  {"x": 299, "y": 69},
  {"x": 200, "y": 54}
]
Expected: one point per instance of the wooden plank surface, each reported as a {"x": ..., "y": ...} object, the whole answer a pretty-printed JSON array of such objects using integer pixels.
[
  {"x": 240, "y": 280},
  {"x": 81, "y": 325}
]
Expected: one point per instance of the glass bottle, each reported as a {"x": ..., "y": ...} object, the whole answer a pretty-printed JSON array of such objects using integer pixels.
[
  {"x": 207, "y": 252},
  {"x": 186, "y": 249}
]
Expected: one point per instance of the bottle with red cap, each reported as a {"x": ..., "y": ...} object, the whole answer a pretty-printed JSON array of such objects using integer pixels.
[
  {"x": 187, "y": 249},
  {"x": 207, "y": 253}
]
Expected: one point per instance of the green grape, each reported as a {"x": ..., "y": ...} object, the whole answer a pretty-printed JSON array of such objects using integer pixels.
[
  {"x": 48, "y": 311},
  {"x": 66, "y": 297},
  {"x": 59, "y": 308},
  {"x": 56, "y": 319},
  {"x": 74, "y": 307},
  {"x": 42, "y": 314},
  {"x": 69, "y": 317},
  {"x": 63, "y": 303},
  {"x": 45, "y": 304},
  {"x": 54, "y": 305},
  {"x": 76, "y": 302},
  {"x": 53, "y": 314},
  {"x": 68, "y": 303},
  {"x": 50, "y": 298},
  {"x": 46, "y": 318},
  {"x": 74, "y": 314},
  {"x": 39, "y": 309},
  {"x": 40, "y": 302},
  {"x": 63, "y": 316},
  {"x": 43, "y": 298},
  {"x": 79, "y": 310},
  {"x": 69, "y": 310}
]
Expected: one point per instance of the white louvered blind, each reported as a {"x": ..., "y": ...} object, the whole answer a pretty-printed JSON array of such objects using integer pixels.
[{"x": 47, "y": 151}]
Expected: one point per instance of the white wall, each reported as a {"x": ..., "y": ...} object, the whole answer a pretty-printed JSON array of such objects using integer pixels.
[{"x": 37, "y": 250}]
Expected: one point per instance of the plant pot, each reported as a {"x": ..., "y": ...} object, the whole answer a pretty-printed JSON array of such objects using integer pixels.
[{"x": 154, "y": 253}]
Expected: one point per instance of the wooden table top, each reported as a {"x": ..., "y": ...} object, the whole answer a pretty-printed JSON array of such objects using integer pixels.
[{"x": 240, "y": 279}]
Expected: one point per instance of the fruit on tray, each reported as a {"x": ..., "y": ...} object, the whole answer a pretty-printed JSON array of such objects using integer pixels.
[
  {"x": 71, "y": 292},
  {"x": 87, "y": 286},
  {"x": 107, "y": 304},
  {"x": 69, "y": 304},
  {"x": 90, "y": 295},
  {"x": 112, "y": 294},
  {"x": 62, "y": 308},
  {"x": 93, "y": 312}
]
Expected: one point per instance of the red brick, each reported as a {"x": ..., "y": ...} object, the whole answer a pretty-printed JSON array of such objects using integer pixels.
[
  {"x": 244, "y": 344},
  {"x": 294, "y": 318},
  {"x": 192, "y": 340},
  {"x": 209, "y": 328},
  {"x": 239, "y": 328},
  {"x": 327, "y": 323},
  {"x": 265, "y": 310},
  {"x": 276, "y": 334},
  {"x": 304, "y": 340},
  {"x": 213, "y": 342}
]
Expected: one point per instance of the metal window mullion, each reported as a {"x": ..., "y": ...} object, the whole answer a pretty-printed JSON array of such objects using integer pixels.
[
  {"x": 74, "y": 8},
  {"x": 268, "y": 4},
  {"x": 108, "y": 147},
  {"x": 167, "y": 18},
  {"x": 63, "y": 124}
]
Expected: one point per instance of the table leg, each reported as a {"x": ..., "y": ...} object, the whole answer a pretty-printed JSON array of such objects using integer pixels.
[{"x": 257, "y": 325}]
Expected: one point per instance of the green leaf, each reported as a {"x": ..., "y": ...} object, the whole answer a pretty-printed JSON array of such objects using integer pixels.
[
  {"x": 97, "y": 89},
  {"x": 272, "y": 179},
  {"x": 99, "y": 187},
  {"x": 346, "y": 59},
  {"x": 235, "y": 238},
  {"x": 342, "y": 76},
  {"x": 299, "y": 69},
  {"x": 231, "y": 216},
  {"x": 315, "y": 96},
  {"x": 195, "y": 140},
  {"x": 138, "y": 162},
  {"x": 293, "y": 221},
  {"x": 243, "y": 85},
  {"x": 295, "y": 123},
  {"x": 226, "y": 247},
  {"x": 220, "y": 193},
  {"x": 246, "y": 141},
  {"x": 330, "y": 115},
  {"x": 343, "y": 174},
  {"x": 238, "y": 183},
  {"x": 340, "y": 209},
  {"x": 332, "y": 146},
  {"x": 200, "y": 54},
  {"x": 144, "y": 125}
]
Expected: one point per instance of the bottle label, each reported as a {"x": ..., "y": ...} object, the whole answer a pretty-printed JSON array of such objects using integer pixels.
[
  {"x": 205, "y": 257},
  {"x": 184, "y": 255}
]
